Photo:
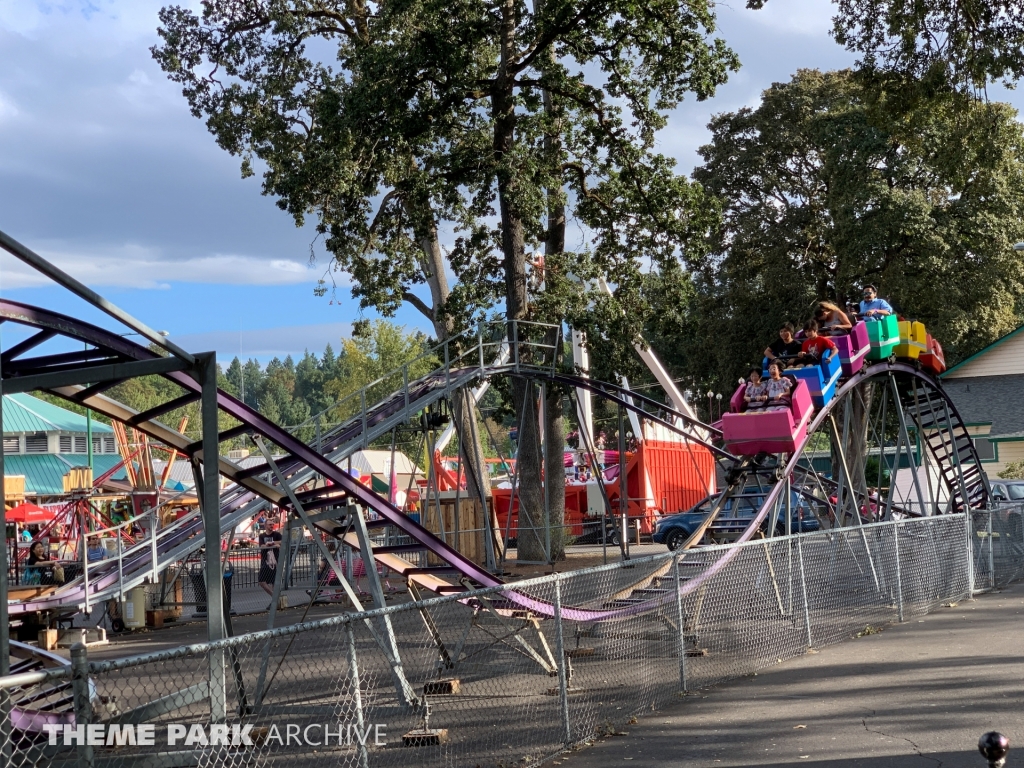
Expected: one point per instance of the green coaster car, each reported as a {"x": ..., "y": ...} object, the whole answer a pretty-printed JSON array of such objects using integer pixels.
[{"x": 883, "y": 336}]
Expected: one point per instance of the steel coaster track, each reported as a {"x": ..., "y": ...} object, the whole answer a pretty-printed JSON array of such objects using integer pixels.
[{"x": 112, "y": 348}]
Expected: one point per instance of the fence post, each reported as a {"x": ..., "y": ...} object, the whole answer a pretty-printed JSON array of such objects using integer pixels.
[
  {"x": 152, "y": 544},
  {"x": 353, "y": 663},
  {"x": 6, "y": 733},
  {"x": 563, "y": 681},
  {"x": 991, "y": 553},
  {"x": 899, "y": 571},
  {"x": 803, "y": 590},
  {"x": 969, "y": 525},
  {"x": 679, "y": 620},
  {"x": 83, "y": 707}
]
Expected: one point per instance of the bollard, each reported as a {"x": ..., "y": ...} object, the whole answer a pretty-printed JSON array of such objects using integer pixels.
[{"x": 993, "y": 747}]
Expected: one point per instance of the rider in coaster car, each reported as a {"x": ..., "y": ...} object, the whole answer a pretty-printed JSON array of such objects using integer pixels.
[
  {"x": 779, "y": 388},
  {"x": 785, "y": 347},
  {"x": 872, "y": 307},
  {"x": 815, "y": 349},
  {"x": 832, "y": 321},
  {"x": 756, "y": 394}
]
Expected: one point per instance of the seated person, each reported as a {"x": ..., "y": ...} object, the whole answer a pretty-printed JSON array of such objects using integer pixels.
[
  {"x": 785, "y": 346},
  {"x": 756, "y": 395},
  {"x": 778, "y": 388},
  {"x": 832, "y": 321},
  {"x": 96, "y": 550},
  {"x": 815, "y": 349},
  {"x": 872, "y": 307},
  {"x": 39, "y": 566}
]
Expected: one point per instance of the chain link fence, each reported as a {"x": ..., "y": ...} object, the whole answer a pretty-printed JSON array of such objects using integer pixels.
[{"x": 496, "y": 677}]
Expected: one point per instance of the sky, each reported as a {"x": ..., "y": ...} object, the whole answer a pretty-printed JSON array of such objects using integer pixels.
[{"x": 104, "y": 171}]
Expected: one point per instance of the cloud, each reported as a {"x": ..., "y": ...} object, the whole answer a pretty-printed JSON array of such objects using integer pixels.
[
  {"x": 268, "y": 342},
  {"x": 136, "y": 266},
  {"x": 8, "y": 109},
  {"x": 104, "y": 169}
]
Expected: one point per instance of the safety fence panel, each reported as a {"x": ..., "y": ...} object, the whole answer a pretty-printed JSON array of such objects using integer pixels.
[
  {"x": 507, "y": 675},
  {"x": 997, "y": 546}
]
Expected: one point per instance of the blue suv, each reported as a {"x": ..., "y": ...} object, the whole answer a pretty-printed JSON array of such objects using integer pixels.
[{"x": 739, "y": 510}]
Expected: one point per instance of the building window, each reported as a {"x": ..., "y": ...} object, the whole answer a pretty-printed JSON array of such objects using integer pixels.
[
  {"x": 36, "y": 443},
  {"x": 80, "y": 445},
  {"x": 66, "y": 444},
  {"x": 12, "y": 445},
  {"x": 109, "y": 445},
  {"x": 986, "y": 448}
]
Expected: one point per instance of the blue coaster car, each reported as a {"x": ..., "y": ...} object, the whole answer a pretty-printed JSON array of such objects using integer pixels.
[{"x": 821, "y": 379}]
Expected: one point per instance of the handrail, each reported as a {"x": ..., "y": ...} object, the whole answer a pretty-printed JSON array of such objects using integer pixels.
[{"x": 479, "y": 343}]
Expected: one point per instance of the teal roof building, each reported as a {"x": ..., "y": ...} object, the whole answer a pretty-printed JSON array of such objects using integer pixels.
[{"x": 43, "y": 441}]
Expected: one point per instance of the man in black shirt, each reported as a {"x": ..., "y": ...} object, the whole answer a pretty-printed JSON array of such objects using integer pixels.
[
  {"x": 785, "y": 347},
  {"x": 270, "y": 552}
]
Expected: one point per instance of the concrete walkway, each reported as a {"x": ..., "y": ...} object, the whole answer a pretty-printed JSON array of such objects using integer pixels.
[{"x": 916, "y": 694}]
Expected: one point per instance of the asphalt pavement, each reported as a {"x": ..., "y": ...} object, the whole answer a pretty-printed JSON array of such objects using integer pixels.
[{"x": 915, "y": 694}]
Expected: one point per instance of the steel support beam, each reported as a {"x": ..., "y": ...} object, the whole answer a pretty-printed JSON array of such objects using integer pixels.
[
  {"x": 210, "y": 505},
  {"x": 30, "y": 343},
  {"x": 94, "y": 374},
  {"x": 925, "y": 510},
  {"x": 387, "y": 644}
]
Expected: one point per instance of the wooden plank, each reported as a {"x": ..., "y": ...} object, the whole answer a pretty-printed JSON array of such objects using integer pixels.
[{"x": 463, "y": 529}]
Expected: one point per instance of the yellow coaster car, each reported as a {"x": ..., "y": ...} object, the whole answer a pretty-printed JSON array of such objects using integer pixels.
[{"x": 913, "y": 340}]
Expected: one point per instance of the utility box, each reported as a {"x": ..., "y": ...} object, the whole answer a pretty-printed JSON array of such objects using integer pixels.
[{"x": 133, "y": 611}]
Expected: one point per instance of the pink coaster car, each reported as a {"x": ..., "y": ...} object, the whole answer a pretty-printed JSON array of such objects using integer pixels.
[
  {"x": 853, "y": 348},
  {"x": 779, "y": 431}
]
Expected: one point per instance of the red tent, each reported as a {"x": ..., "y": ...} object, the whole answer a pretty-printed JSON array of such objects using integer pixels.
[{"x": 29, "y": 513}]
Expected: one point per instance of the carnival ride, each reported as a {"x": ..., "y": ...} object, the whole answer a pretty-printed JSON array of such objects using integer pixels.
[{"x": 859, "y": 415}]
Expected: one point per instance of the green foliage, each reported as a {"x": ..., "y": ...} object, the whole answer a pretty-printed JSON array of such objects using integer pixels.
[
  {"x": 929, "y": 45},
  {"x": 390, "y": 122},
  {"x": 385, "y": 356},
  {"x": 1013, "y": 471},
  {"x": 289, "y": 393},
  {"x": 821, "y": 194}
]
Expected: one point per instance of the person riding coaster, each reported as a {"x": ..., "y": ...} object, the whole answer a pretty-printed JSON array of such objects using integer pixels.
[
  {"x": 832, "y": 321},
  {"x": 779, "y": 427}
]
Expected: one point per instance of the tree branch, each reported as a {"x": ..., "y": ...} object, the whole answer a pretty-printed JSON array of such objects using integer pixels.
[{"x": 419, "y": 304}]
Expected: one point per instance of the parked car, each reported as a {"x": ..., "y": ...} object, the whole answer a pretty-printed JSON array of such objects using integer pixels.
[
  {"x": 735, "y": 517},
  {"x": 1007, "y": 491}
]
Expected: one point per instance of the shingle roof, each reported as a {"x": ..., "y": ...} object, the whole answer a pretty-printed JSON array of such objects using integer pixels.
[
  {"x": 24, "y": 413},
  {"x": 44, "y": 472},
  {"x": 989, "y": 399}
]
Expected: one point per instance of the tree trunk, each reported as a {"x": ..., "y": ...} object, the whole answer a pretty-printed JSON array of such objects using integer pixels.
[
  {"x": 554, "y": 245},
  {"x": 531, "y": 535},
  {"x": 554, "y": 470},
  {"x": 855, "y": 448},
  {"x": 524, "y": 394},
  {"x": 463, "y": 408}
]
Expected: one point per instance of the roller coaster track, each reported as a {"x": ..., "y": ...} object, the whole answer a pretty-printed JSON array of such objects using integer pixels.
[
  {"x": 921, "y": 395},
  {"x": 254, "y": 485}
]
